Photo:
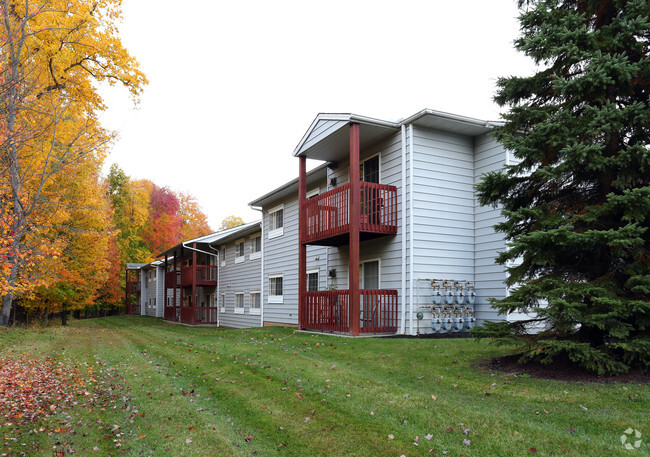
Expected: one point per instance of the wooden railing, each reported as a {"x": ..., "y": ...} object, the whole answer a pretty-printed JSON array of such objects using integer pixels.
[
  {"x": 133, "y": 286},
  {"x": 327, "y": 215},
  {"x": 378, "y": 311},
  {"x": 171, "y": 278},
  {"x": 329, "y": 310},
  {"x": 199, "y": 315},
  {"x": 133, "y": 309},
  {"x": 206, "y": 275}
]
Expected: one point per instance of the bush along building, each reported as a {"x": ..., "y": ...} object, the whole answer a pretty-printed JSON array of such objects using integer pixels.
[{"x": 384, "y": 237}]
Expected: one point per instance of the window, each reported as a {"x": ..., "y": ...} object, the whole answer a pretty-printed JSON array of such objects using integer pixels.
[
  {"x": 312, "y": 193},
  {"x": 275, "y": 289},
  {"x": 369, "y": 275},
  {"x": 312, "y": 281},
  {"x": 256, "y": 302},
  {"x": 239, "y": 252},
  {"x": 222, "y": 303},
  {"x": 239, "y": 302},
  {"x": 276, "y": 221},
  {"x": 222, "y": 256},
  {"x": 256, "y": 247},
  {"x": 208, "y": 300}
]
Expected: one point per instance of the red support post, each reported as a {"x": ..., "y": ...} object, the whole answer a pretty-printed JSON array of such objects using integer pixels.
[
  {"x": 165, "y": 286},
  {"x": 302, "y": 248},
  {"x": 194, "y": 297},
  {"x": 175, "y": 281},
  {"x": 355, "y": 211}
]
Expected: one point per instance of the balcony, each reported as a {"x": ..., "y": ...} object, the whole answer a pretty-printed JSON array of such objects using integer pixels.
[
  {"x": 199, "y": 315},
  {"x": 206, "y": 275},
  {"x": 330, "y": 311},
  {"x": 172, "y": 278},
  {"x": 328, "y": 221},
  {"x": 133, "y": 286}
]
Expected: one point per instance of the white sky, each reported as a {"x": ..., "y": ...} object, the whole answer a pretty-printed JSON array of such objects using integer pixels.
[{"x": 235, "y": 84}]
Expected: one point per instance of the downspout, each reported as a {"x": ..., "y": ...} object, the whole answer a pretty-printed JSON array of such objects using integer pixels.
[
  {"x": 412, "y": 263},
  {"x": 404, "y": 228},
  {"x": 217, "y": 294}
]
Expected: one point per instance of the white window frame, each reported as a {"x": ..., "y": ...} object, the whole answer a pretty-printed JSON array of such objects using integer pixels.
[
  {"x": 312, "y": 193},
  {"x": 255, "y": 254},
  {"x": 276, "y": 298},
  {"x": 222, "y": 256},
  {"x": 222, "y": 305},
  {"x": 252, "y": 310},
  {"x": 279, "y": 231},
  {"x": 378, "y": 260},
  {"x": 317, "y": 271},
  {"x": 239, "y": 310},
  {"x": 240, "y": 254}
]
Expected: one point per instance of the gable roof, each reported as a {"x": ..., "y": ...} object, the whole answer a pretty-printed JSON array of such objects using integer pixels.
[{"x": 220, "y": 237}]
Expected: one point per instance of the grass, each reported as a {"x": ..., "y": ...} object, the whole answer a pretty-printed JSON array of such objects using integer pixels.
[{"x": 150, "y": 388}]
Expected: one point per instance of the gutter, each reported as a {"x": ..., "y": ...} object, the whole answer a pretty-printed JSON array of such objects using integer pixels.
[{"x": 412, "y": 167}]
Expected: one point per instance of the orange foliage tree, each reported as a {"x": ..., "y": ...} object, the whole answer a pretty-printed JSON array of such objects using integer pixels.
[{"x": 52, "y": 52}]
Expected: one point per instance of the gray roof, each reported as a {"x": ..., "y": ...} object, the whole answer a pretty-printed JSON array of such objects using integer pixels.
[
  {"x": 328, "y": 138},
  {"x": 220, "y": 237}
]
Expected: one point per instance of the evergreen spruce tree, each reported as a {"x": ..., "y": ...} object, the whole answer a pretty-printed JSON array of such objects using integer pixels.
[{"x": 576, "y": 203}]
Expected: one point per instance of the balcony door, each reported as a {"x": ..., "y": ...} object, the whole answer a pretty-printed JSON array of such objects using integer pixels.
[
  {"x": 369, "y": 170},
  {"x": 369, "y": 275}
]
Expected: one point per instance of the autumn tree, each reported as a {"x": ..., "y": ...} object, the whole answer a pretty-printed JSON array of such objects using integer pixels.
[
  {"x": 195, "y": 222},
  {"x": 577, "y": 201},
  {"x": 164, "y": 225},
  {"x": 52, "y": 54},
  {"x": 231, "y": 222}
]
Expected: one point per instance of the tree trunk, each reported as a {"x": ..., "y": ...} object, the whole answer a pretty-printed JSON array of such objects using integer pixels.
[
  {"x": 64, "y": 316},
  {"x": 5, "y": 312}
]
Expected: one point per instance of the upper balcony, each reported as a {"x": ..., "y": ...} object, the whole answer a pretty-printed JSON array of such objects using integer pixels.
[
  {"x": 328, "y": 219},
  {"x": 133, "y": 286},
  {"x": 206, "y": 275}
]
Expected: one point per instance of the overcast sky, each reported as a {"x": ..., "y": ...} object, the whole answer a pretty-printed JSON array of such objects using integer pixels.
[{"x": 235, "y": 84}]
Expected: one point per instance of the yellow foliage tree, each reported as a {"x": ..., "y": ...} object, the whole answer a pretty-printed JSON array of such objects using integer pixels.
[
  {"x": 231, "y": 222},
  {"x": 52, "y": 53}
]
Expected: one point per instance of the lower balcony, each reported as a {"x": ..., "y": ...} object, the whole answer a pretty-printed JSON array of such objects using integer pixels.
[
  {"x": 192, "y": 315},
  {"x": 206, "y": 275},
  {"x": 330, "y": 311},
  {"x": 328, "y": 221},
  {"x": 133, "y": 309}
]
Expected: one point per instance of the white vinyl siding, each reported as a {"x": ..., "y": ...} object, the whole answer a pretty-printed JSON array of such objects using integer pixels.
[{"x": 490, "y": 277}]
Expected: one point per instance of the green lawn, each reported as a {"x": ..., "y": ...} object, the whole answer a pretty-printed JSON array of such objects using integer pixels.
[{"x": 143, "y": 387}]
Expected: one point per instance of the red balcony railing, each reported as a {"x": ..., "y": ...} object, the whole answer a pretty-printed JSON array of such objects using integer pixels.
[
  {"x": 329, "y": 310},
  {"x": 199, "y": 315},
  {"x": 206, "y": 275},
  {"x": 133, "y": 286},
  {"x": 327, "y": 215},
  {"x": 171, "y": 278},
  {"x": 170, "y": 313},
  {"x": 133, "y": 309}
]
